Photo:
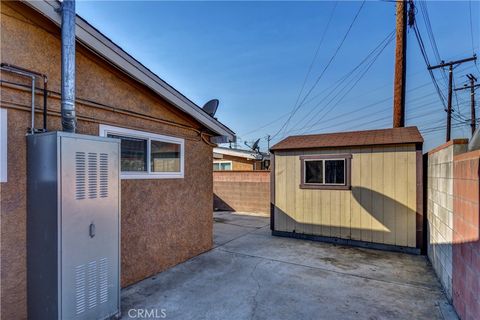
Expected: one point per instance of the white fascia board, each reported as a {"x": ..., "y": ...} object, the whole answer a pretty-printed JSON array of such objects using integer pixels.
[
  {"x": 105, "y": 48},
  {"x": 234, "y": 153}
]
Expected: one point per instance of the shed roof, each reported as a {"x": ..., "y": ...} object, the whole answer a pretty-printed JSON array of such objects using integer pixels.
[
  {"x": 94, "y": 40},
  {"x": 405, "y": 135}
]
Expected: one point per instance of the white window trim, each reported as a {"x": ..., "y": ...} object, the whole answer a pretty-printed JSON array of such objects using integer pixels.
[
  {"x": 3, "y": 145},
  {"x": 323, "y": 169},
  {"x": 104, "y": 130},
  {"x": 224, "y": 161}
]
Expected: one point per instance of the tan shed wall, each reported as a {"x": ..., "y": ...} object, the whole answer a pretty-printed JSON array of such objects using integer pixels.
[
  {"x": 379, "y": 208},
  {"x": 164, "y": 222}
]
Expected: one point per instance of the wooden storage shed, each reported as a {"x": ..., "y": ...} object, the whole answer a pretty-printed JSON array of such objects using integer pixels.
[{"x": 361, "y": 188}]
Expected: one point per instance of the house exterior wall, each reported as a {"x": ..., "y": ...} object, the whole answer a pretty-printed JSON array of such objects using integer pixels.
[
  {"x": 242, "y": 191},
  {"x": 381, "y": 206},
  {"x": 466, "y": 235},
  {"x": 239, "y": 163},
  {"x": 440, "y": 209},
  {"x": 164, "y": 222}
]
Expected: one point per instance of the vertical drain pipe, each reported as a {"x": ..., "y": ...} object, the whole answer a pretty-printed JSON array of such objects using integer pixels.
[{"x": 69, "y": 121}]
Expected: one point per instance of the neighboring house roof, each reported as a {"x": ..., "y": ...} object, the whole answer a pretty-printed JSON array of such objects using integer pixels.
[
  {"x": 352, "y": 138},
  {"x": 247, "y": 154},
  {"x": 94, "y": 40}
]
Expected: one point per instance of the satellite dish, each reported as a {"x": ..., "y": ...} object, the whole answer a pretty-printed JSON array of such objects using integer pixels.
[
  {"x": 211, "y": 107},
  {"x": 255, "y": 145}
]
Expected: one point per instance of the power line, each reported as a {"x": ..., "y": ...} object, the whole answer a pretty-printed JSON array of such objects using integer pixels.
[
  {"x": 341, "y": 82},
  {"x": 427, "y": 62},
  {"x": 363, "y": 108},
  {"x": 349, "y": 89},
  {"x": 471, "y": 25},
  {"x": 316, "y": 52},
  {"x": 323, "y": 71}
]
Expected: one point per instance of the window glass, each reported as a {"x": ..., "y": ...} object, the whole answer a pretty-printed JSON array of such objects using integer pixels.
[
  {"x": 133, "y": 153},
  {"x": 226, "y": 166},
  {"x": 165, "y": 156},
  {"x": 314, "y": 171},
  {"x": 335, "y": 171},
  {"x": 222, "y": 166}
]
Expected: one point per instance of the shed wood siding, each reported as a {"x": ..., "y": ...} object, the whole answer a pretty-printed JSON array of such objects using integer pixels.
[
  {"x": 164, "y": 222},
  {"x": 380, "y": 207}
]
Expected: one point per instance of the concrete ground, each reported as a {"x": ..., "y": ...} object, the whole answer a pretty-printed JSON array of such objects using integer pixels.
[{"x": 252, "y": 275}]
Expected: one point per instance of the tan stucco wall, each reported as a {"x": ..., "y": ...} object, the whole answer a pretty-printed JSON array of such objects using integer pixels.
[
  {"x": 164, "y": 222},
  {"x": 242, "y": 191},
  {"x": 381, "y": 206}
]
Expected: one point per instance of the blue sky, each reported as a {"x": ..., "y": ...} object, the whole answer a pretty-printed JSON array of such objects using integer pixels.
[{"x": 254, "y": 57}]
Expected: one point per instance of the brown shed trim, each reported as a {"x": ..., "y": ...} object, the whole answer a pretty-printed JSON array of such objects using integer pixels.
[
  {"x": 419, "y": 218},
  {"x": 272, "y": 192},
  {"x": 318, "y": 186}
]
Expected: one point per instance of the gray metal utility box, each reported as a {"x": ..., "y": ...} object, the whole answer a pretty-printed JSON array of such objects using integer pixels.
[{"x": 73, "y": 226}]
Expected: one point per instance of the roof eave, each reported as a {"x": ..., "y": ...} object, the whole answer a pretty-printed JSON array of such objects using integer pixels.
[
  {"x": 417, "y": 143},
  {"x": 105, "y": 48}
]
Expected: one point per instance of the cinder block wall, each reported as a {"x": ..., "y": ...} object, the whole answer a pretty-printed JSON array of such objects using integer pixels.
[
  {"x": 243, "y": 191},
  {"x": 440, "y": 209},
  {"x": 466, "y": 231}
]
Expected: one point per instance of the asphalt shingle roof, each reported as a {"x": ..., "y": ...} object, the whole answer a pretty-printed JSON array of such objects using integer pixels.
[{"x": 352, "y": 138}]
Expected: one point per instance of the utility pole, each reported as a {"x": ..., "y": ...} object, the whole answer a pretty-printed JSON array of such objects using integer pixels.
[
  {"x": 472, "y": 87},
  {"x": 450, "y": 84},
  {"x": 400, "y": 65},
  {"x": 268, "y": 143}
]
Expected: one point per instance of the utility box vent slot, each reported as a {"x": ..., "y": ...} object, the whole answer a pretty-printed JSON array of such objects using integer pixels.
[
  {"x": 103, "y": 280},
  {"x": 103, "y": 175},
  {"x": 97, "y": 175},
  {"x": 80, "y": 175},
  {"x": 91, "y": 285},
  {"x": 80, "y": 289},
  {"x": 92, "y": 175}
]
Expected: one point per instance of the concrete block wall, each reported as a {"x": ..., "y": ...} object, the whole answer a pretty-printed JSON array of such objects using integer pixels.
[
  {"x": 466, "y": 231},
  {"x": 440, "y": 212},
  {"x": 242, "y": 191}
]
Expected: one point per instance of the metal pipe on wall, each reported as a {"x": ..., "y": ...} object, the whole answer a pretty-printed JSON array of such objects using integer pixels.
[
  {"x": 69, "y": 121},
  {"x": 32, "y": 74}
]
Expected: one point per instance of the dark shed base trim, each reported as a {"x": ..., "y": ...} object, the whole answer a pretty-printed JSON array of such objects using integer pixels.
[{"x": 348, "y": 242}]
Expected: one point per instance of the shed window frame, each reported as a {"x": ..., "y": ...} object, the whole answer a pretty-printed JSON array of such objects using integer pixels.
[
  {"x": 327, "y": 186},
  {"x": 105, "y": 130}
]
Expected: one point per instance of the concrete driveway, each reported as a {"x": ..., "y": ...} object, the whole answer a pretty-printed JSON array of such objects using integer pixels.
[{"x": 252, "y": 275}]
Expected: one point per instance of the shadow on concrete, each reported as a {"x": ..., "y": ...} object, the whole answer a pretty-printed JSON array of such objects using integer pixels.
[{"x": 220, "y": 205}]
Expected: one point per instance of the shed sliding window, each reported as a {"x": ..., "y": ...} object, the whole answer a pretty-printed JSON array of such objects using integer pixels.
[
  {"x": 325, "y": 172},
  {"x": 146, "y": 155}
]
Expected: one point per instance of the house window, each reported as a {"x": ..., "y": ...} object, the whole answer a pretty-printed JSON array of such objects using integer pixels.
[
  {"x": 325, "y": 171},
  {"x": 147, "y": 155},
  {"x": 222, "y": 165}
]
